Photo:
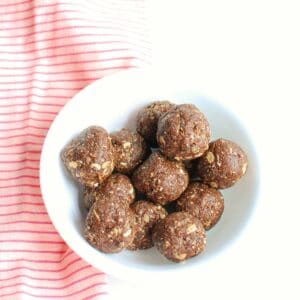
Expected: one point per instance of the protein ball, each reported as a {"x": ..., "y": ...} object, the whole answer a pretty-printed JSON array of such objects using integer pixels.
[
  {"x": 110, "y": 225},
  {"x": 203, "y": 202},
  {"x": 89, "y": 156},
  {"x": 183, "y": 133},
  {"x": 130, "y": 150},
  {"x": 116, "y": 186},
  {"x": 223, "y": 164},
  {"x": 160, "y": 179},
  {"x": 147, "y": 215},
  {"x": 147, "y": 119},
  {"x": 179, "y": 236}
]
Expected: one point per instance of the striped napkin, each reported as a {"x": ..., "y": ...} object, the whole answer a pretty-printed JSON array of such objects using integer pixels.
[{"x": 49, "y": 50}]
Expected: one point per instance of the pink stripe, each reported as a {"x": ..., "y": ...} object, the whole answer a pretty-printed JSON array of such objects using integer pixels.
[
  {"x": 73, "y": 62},
  {"x": 72, "y": 80},
  {"x": 36, "y": 95},
  {"x": 23, "y": 152},
  {"x": 95, "y": 295},
  {"x": 19, "y": 161},
  {"x": 21, "y": 194},
  {"x": 62, "y": 72},
  {"x": 70, "y": 11},
  {"x": 24, "y": 212},
  {"x": 21, "y": 203},
  {"x": 20, "y": 169},
  {"x": 30, "y": 103},
  {"x": 28, "y": 111},
  {"x": 71, "y": 36},
  {"x": 22, "y": 135},
  {"x": 14, "y": 4},
  {"x": 47, "y": 296},
  {"x": 31, "y": 242},
  {"x": 23, "y": 127},
  {"x": 57, "y": 80},
  {"x": 33, "y": 251},
  {"x": 61, "y": 3},
  {"x": 19, "y": 177},
  {"x": 91, "y": 27},
  {"x": 26, "y": 119},
  {"x": 65, "y": 54},
  {"x": 32, "y": 8},
  {"x": 68, "y": 45},
  {"x": 49, "y": 279},
  {"x": 38, "y": 261},
  {"x": 29, "y": 231},
  {"x": 43, "y": 270},
  {"x": 51, "y": 288},
  {"x": 21, "y": 185},
  {"x": 129, "y": 24}
]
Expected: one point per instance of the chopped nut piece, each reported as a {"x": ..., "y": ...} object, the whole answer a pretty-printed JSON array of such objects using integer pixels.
[
  {"x": 210, "y": 157},
  {"x": 96, "y": 166},
  {"x": 127, "y": 233},
  {"x": 213, "y": 185},
  {"x": 192, "y": 228},
  {"x": 73, "y": 164},
  {"x": 126, "y": 144},
  {"x": 244, "y": 168},
  {"x": 180, "y": 256},
  {"x": 106, "y": 165}
]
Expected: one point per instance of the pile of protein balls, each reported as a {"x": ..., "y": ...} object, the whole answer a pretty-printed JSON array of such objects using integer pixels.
[{"x": 132, "y": 180}]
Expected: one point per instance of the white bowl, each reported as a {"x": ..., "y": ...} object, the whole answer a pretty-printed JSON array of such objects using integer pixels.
[{"x": 113, "y": 103}]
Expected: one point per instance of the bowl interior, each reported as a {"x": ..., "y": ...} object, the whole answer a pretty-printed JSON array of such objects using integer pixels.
[{"x": 113, "y": 104}]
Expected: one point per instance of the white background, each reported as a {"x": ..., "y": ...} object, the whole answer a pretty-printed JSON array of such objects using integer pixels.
[{"x": 245, "y": 53}]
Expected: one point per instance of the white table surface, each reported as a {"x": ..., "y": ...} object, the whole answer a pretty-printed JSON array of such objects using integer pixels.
[{"x": 246, "y": 53}]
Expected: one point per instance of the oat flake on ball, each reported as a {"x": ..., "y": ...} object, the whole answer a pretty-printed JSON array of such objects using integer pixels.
[
  {"x": 223, "y": 164},
  {"x": 183, "y": 132},
  {"x": 89, "y": 156},
  {"x": 160, "y": 179},
  {"x": 179, "y": 236}
]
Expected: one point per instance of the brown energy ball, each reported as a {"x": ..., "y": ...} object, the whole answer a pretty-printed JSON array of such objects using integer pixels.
[
  {"x": 183, "y": 133},
  {"x": 130, "y": 150},
  {"x": 203, "y": 202},
  {"x": 116, "y": 185},
  {"x": 110, "y": 225},
  {"x": 160, "y": 179},
  {"x": 147, "y": 119},
  {"x": 222, "y": 165},
  {"x": 89, "y": 156},
  {"x": 179, "y": 236},
  {"x": 147, "y": 215}
]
